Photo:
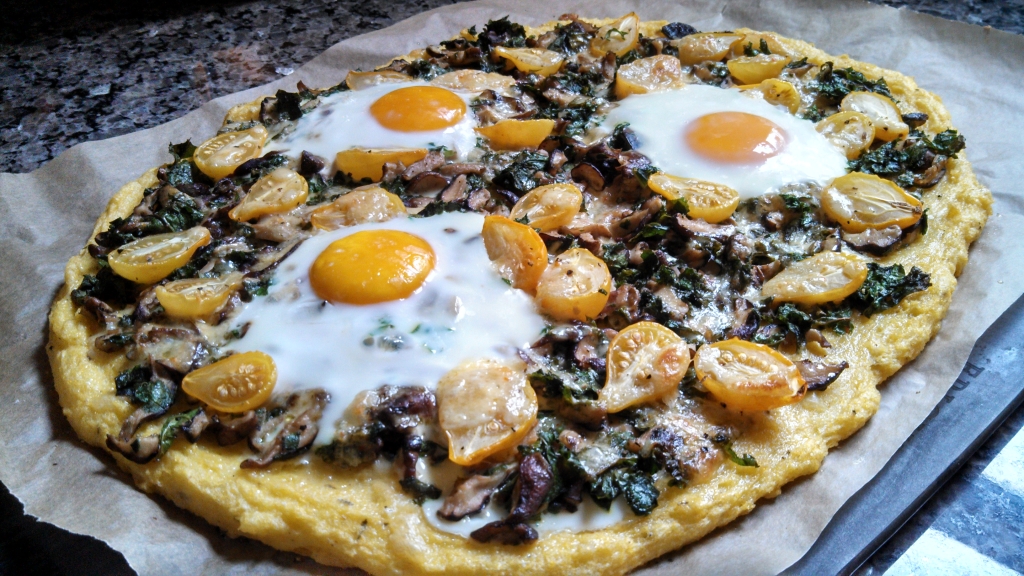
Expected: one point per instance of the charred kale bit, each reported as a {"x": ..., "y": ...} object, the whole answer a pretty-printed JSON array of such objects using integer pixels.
[
  {"x": 183, "y": 150},
  {"x": 173, "y": 425},
  {"x": 420, "y": 490},
  {"x": 440, "y": 207},
  {"x": 834, "y": 85},
  {"x": 252, "y": 170},
  {"x": 501, "y": 32},
  {"x": 886, "y": 286},
  {"x": 518, "y": 176},
  {"x": 570, "y": 39},
  {"x": 676, "y": 30}
]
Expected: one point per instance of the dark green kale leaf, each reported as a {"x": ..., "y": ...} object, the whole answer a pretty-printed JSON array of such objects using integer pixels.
[
  {"x": 947, "y": 143},
  {"x": 570, "y": 39},
  {"x": 802, "y": 209},
  {"x": 252, "y": 170},
  {"x": 518, "y": 176},
  {"x": 440, "y": 207},
  {"x": 501, "y": 32},
  {"x": 424, "y": 69},
  {"x": 834, "y": 85},
  {"x": 173, "y": 425},
  {"x": 143, "y": 390},
  {"x": 749, "y": 49},
  {"x": 886, "y": 286},
  {"x": 635, "y": 485},
  {"x": 887, "y": 160},
  {"x": 106, "y": 286},
  {"x": 181, "y": 151},
  {"x": 180, "y": 212},
  {"x": 570, "y": 383},
  {"x": 420, "y": 490}
]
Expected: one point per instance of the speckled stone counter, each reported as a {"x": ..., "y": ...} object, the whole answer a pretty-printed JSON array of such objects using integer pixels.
[{"x": 72, "y": 72}]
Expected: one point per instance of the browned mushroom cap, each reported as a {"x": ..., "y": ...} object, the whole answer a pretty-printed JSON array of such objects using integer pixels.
[
  {"x": 471, "y": 494},
  {"x": 426, "y": 182},
  {"x": 588, "y": 174},
  {"x": 819, "y": 375}
]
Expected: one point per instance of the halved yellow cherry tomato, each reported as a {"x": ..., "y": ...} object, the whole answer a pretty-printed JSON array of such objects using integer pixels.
[
  {"x": 474, "y": 81},
  {"x": 277, "y": 192},
  {"x": 549, "y": 207},
  {"x": 851, "y": 132},
  {"x": 532, "y": 60},
  {"x": 697, "y": 48},
  {"x": 152, "y": 258},
  {"x": 881, "y": 110},
  {"x": 366, "y": 164},
  {"x": 219, "y": 156},
  {"x": 754, "y": 41},
  {"x": 781, "y": 93},
  {"x": 575, "y": 286},
  {"x": 648, "y": 74},
  {"x": 197, "y": 297},
  {"x": 824, "y": 277},
  {"x": 364, "y": 204},
  {"x": 748, "y": 376},
  {"x": 619, "y": 37},
  {"x": 860, "y": 201},
  {"x": 706, "y": 200},
  {"x": 484, "y": 407},
  {"x": 235, "y": 384},
  {"x": 516, "y": 250},
  {"x": 755, "y": 69},
  {"x": 645, "y": 361},
  {"x": 360, "y": 80},
  {"x": 517, "y": 134}
]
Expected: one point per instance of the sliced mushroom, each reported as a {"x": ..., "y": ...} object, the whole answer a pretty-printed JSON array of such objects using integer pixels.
[
  {"x": 699, "y": 228},
  {"x": 432, "y": 161},
  {"x": 426, "y": 183},
  {"x": 874, "y": 241},
  {"x": 290, "y": 432},
  {"x": 457, "y": 191},
  {"x": 819, "y": 375},
  {"x": 236, "y": 429},
  {"x": 588, "y": 174},
  {"x": 470, "y": 495}
]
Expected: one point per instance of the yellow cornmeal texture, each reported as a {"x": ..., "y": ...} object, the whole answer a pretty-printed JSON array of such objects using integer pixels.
[{"x": 361, "y": 518}]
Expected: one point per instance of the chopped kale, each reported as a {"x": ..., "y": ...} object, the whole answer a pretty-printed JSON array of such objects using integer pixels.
[
  {"x": 173, "y": 425},
  {"x": 252, "y": 170},
  {"x": 105, "y": 286},
  {"x": 440, "y": 207},
  {"x": 745, "y": 460},
  {"x": 797, "y": 63},
  {"x": 636, "y": 486},
  {"x": 570, "y": 39},
  {"x": 143, "y": 390},
  {"x": 420, "y": 490},
  {"x": 425, "y": 69},
  {"x": 569, "y": 382},
  {"x": 901, "y": 160},
  {"x": 834, "y": 85},
  {"x": 812, "y": 114},
  {"x": 317, "y": 187},
  {"x": 802, "y": 209},
  {"x": 181, "y": 212},
  {"x": 180, "y": 151},
  {"x": 518, "y": 176},
  {"x": 289, "y": 105},
  {"x": 501, "y": 32},
  {"x": 886, "y": 286},
  {"x": 749, "y": 50}
]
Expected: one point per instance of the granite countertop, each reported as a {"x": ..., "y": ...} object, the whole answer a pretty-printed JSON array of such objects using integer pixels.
[{"x": 73, "y": 72}]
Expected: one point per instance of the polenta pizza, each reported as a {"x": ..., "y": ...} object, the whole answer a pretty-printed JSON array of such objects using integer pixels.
[{"x": 530, "y": 300}]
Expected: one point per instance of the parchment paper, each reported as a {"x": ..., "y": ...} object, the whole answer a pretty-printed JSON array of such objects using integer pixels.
[{"x": 46, "y": 217}]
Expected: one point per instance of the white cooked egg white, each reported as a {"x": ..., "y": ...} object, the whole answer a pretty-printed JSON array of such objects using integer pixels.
[
  {"x": 661, "y": 121},
  {"x": 464, "y": 310},
  {"x": 343, "y": 121}
]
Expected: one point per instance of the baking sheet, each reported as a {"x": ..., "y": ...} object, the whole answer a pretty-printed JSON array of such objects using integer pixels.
[{"x": 47, "y": 215}]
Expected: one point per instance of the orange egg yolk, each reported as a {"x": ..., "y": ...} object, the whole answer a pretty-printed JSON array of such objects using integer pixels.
[
  {"x": 735, "y": 138},
  {"x": 418, "y": 108},
  {"x": 372, "y": 266}
]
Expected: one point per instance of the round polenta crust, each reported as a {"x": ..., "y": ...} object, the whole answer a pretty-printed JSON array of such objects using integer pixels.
[{"x": 362, "y": 518}]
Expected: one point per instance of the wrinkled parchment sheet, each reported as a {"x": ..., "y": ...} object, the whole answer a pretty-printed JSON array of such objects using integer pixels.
[{"x": 47, "y": 216}]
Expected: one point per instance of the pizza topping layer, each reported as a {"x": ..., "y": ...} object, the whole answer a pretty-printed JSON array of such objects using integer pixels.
[{"x": 538, "y": 274}]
